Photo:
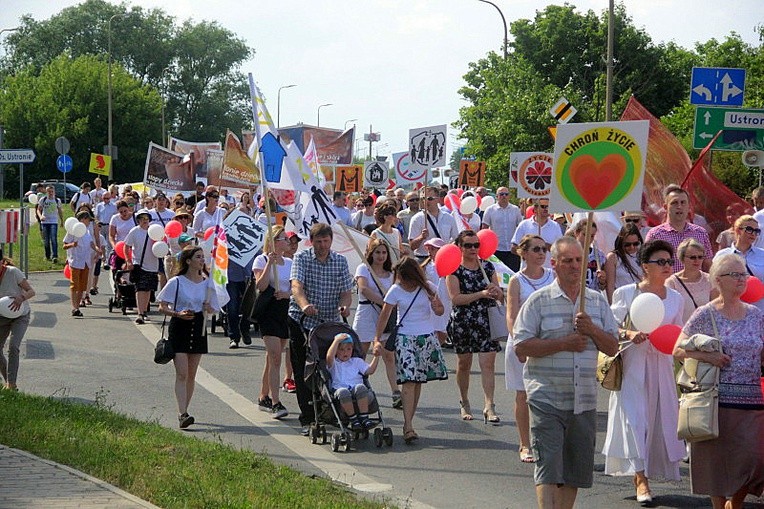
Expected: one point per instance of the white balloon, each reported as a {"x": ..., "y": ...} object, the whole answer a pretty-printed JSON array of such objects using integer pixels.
[
  {"x": 160, "y": 249},
  {"x": 69, "y": 224},
  {"x": 469, "y": 205},
  {"x": 487, "y": 202},
  {"x": 79, "y": 230},
  {"x": 33, "y": 199},
  {"x": 7, "y": 312},
  {"x": 156, "y": 232},
  {"x": 647, "y": 312}
]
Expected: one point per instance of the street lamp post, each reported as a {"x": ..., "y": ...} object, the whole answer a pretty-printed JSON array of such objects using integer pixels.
[
  {"x": 278, "y": 105},
  {"x": 109, "y": 146},
  {"x": 503, "y": 20},
  {"x": 347, "y": 122},
  {"x": 318, "y": 114}
]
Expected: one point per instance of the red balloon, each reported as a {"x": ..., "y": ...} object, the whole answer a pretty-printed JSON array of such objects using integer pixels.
[
  {"x": 489, "y": 241},
  {"x": 173, "y": 229},
  {"x": 479, "y": 199},
  {"x": 459, "y": 192},
  {"x": 447, "y": 259},
  {"x": 67, "y": 271},
  {"x": 664, "y": 338},
  {"x": 373, "y": 199},
  {"x": 208, "y": 233},
  {"x": 452, "y": 202},
  {"x": 754, "y": 290},
  {"x": 119, "y": 248},
  {"x": 762, "y": 384},
  {"x": 529, "y": 212}
]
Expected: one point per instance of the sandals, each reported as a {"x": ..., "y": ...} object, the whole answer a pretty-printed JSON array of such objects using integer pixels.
[
  {"x": 409, "y": 436},
  {"x": 489, "y": 415},
  {"x": 464, "y": 410},
  {"x": 526, "y": 456}
]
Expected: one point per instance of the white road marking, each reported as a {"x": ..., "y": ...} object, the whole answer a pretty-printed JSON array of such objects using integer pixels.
[{"x": 319, "y": 456}]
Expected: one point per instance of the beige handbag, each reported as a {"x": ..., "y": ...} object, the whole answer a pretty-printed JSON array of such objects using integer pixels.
[
  {"x": 699, "y": 403},
  {"x": 610, "y": 368}
]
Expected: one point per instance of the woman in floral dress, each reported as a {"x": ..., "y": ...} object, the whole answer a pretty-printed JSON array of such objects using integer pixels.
[{"x": 473, "y": 288}]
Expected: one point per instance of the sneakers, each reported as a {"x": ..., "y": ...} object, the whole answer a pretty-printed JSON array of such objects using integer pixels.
[
  {"x": 77, "y": 313},
  {"x": 55, "y": 259},
  {"x": 246, "y": 337},
  {"x": 185, "y": 420},
  {"x": 355, "y": 424},
  {"x": 305, "y": 431},
  {"x": 265, "y": 404},
  {"x": 397, "y": 401},
  {"x": 279, "y": 411},
  {"x": 233, "y": 344},
  {"x": 139, "y": 320},
  {"x": 94, "y": 291},
  {"x": 289, "y": 385},
  {"x": 366, "y": 423}
]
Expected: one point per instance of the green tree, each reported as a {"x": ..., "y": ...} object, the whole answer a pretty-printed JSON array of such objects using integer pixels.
[
  {"x": 68, "y": 98},
  {"x": 195, "y": 67}
]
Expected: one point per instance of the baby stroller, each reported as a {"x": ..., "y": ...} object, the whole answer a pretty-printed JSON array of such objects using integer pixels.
[
  {"x": 124, "y": 292},
  {"x": 326, "y": 408}
]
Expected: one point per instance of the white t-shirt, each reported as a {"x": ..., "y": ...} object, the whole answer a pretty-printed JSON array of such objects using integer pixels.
[
  {"x": 80, "y": 198},
  {"x": 283, "y": 271},
  {"x": 161, "y": 218},
  {"x": 445, "y": 224},
  {"x": 347, "y": 373},
  {"x": 503, "y": 221},
  {"x": 80, "y": 256},
  {"x": 123, "y": 226},
  {"x": 549, "y": 232},
  {"x": 191, "y": 296},
  {"x": 136, "y": 239},
  {"x": 420, "y": 319},
  {"x": 204, "y": 220}
]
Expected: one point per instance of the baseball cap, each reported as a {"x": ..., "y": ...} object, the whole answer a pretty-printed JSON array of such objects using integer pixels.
[
  {"x": 83, "y": 214},
  {"x": 345, "y": 337},
  {"x": 290, "y": 235},
  {"x": 185, "y": 237},
  {"x": 141, "y": 214},
  {"x": 436, "y": 242}
]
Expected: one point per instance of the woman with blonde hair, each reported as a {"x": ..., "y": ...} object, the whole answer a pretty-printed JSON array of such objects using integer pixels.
[
  {"x": 272, "y": 270},
  {"x": 693, "y": 284},
  {"x": 731, "y": 466}
]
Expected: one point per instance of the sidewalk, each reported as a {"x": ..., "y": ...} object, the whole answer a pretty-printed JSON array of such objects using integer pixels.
[{"x": 27, "y": 481}]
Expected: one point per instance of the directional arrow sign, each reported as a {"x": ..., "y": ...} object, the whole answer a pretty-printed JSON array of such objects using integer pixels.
[
  {"x": 719, "y": 86},
  {"x": 17, "y": 156},
  {"x": 741, "y": 129}
]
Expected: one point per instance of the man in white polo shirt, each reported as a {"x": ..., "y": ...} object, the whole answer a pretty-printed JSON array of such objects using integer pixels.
[
  {"x": 538, "y": 224},
  {"x": 503, "y": 218}
]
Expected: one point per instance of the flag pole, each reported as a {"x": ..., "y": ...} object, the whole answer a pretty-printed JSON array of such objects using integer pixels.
[{"x": 585, "y": 263}]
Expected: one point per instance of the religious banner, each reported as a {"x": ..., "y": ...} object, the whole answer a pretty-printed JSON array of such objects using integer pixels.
[
  {"x": 599, "y": 166},
  {"x": 348, "y": 179},
  {"x": 471, "y": 173},
  {"x": 533, "y": 173}
]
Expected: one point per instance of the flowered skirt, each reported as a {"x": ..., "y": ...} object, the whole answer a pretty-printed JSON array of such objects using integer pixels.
[{"x": 418, "y": 358}]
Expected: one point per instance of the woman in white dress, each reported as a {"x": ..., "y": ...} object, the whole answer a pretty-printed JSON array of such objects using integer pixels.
[
  {"x": 642, "y": 417},
  {"x": 621, "y": 266},
  {"x": 693, "y": 284},
  {"x": 534, "y": 276}
]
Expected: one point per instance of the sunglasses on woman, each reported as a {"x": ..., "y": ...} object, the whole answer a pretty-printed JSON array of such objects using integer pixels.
[
  {"x": 471, "y": 245},
  {"x": 661, "y": 261},
  {"x": 695, "y": 258},
  {"x": 631, "y": 220},
  {"x": 631, "y": 244},
  {"x": 538, "y": 249},
  {"x": 735, "y": 275},
  {"x": 751, "y": 229}
]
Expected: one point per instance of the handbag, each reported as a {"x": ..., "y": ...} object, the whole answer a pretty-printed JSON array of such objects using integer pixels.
[
  {"x": 391, "y": 321},
  {"x": 497, "y": 318},
  {"x": 699, "y": 407},
  {"x": 163, "y": 351},
  {"x": 609, "y": 371},
  {"x": 392, "y": 338},
  {"x": 249, "y": 298}
]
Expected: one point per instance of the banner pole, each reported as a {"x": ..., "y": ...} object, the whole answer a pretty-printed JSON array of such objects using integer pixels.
[{"x": 585, "y": 263}]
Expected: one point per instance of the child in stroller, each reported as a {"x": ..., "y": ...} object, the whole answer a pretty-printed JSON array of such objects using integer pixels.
[{"x": 347, "y": 380}]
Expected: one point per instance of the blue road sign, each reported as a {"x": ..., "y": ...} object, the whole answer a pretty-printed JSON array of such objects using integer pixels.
[
  {"x": 717, "y": 86},
  {"x": 64, "y": 163}
]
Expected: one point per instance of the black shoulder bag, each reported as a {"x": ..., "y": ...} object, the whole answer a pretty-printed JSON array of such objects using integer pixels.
[
  {"x": 390, "y": 343},
  {"x": 163, "y": 352}
]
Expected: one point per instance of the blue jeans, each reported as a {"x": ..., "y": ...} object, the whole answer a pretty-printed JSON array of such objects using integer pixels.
[
  {"x": 235, "y": 321},
  {"x": 50, "y": 239}
]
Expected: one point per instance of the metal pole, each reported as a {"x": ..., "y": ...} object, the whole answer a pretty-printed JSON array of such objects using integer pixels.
[
  {"x": 609, "y": 66},
  {"x": 278, "y": 105},
  {"x": 23, "y": 258},
  {"x": 2, "y": 173},
  {"x": 504, "y": 21},
  {"x": 108, "y": 147},
  {"x": 371, "y": 134}
]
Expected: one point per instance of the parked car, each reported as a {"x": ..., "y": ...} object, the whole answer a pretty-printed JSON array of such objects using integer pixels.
[{"x": 64, "y": 191}]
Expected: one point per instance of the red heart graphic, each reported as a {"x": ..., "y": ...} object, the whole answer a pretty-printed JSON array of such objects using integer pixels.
[{"x": 594, "y": 180}]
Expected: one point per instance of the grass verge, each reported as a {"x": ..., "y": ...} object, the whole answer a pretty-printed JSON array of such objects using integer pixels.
[{"x": 158, "y": 464}]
